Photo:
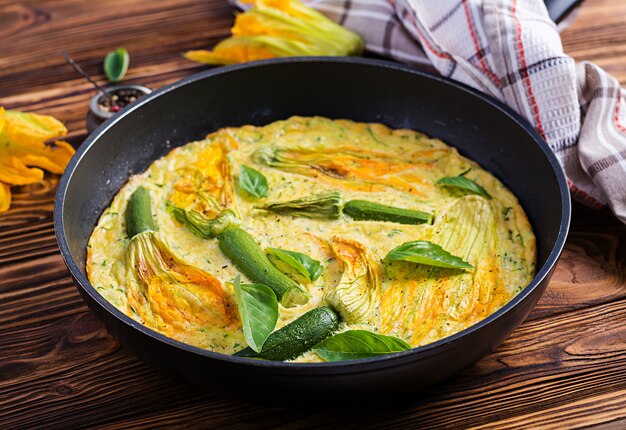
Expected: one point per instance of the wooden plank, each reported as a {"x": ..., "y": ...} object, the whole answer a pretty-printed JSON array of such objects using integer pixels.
[
  {"x": 153, "y": 32},
  {"x": 31, "y": 204},
  {"x": 553, "y": 370},
  {"x": 574, "y": 414},
  {"x": 592, "y": 267},
  {"x": 598, "y": 35}
]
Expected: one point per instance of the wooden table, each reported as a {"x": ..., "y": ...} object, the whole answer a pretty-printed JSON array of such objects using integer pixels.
[{"x": 564, "y": 367}]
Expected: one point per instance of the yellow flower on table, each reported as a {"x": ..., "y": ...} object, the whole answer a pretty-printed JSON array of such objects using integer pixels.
[
  {"x": 280, "y": 28},
  {"x": 25, "y": 149}
]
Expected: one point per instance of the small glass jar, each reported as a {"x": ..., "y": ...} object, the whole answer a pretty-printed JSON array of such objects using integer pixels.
[{"x": 125, "y": 94}]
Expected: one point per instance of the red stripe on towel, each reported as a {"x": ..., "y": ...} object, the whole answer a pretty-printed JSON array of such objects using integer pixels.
[{"x": 481, "y": 59}]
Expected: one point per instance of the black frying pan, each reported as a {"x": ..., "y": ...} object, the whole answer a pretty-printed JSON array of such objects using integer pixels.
[{"x": 357, "y": 89}]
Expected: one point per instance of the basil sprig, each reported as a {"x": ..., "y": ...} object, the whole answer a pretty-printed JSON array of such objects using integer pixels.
[
  {"x": 306, "y": 266},
  {"x": 253, "y": 181},
  {"x": 355, "y": 344},
  {"x": 116, "y": 64},
  {"x": 258, "y": 309},
  {"x": 463, "y": 183},
  {"x": 428, "y": 253}
]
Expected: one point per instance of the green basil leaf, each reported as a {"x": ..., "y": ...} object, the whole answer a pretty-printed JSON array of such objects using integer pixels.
[
  {"x": 303, "y": 264},
  {"x": 116, "y": 64},
  {"x": 463, "y": 183},
  {"x": 258, "y": 309},
  {"x": 252, "y": 181},
  {"x": 354, "y": 344},
  {"x": 425, "y": 252}
]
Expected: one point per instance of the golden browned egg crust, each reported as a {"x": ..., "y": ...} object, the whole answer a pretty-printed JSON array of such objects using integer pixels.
[{"x": 417, "y": 303}]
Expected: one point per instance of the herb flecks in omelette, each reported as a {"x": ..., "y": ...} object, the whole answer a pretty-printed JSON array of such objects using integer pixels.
[{"x": 315, "y": 167}]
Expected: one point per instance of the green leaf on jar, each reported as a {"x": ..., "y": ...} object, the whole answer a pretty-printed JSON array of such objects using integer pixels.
[{"x": 116, "y": 64}]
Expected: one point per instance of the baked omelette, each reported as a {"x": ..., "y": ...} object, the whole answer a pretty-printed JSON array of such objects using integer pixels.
[{"x": 311, "y": 235}]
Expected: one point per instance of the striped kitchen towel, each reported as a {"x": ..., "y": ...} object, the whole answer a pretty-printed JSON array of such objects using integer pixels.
[{"x": 511, "y": 50}]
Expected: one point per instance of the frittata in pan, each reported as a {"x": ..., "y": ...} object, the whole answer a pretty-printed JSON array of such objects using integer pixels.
[{"x": 311, "y": 239}]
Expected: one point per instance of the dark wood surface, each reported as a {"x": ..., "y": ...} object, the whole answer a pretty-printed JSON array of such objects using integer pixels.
[{"x": 59, "y": 368}]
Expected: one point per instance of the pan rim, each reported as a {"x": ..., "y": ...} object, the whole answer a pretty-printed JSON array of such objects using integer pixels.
[{"x": 350, "y": 366}]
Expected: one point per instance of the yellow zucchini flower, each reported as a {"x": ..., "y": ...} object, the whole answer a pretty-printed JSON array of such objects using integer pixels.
[
  {"x": 5, "y": 197},
  {"x": 24, "y": 142},
  {"x": 357, "y": 296},
  {"x": 280, "y": 28},
  {"x": 170, "y": 295},
  {"x": 439, "y": 302}
]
